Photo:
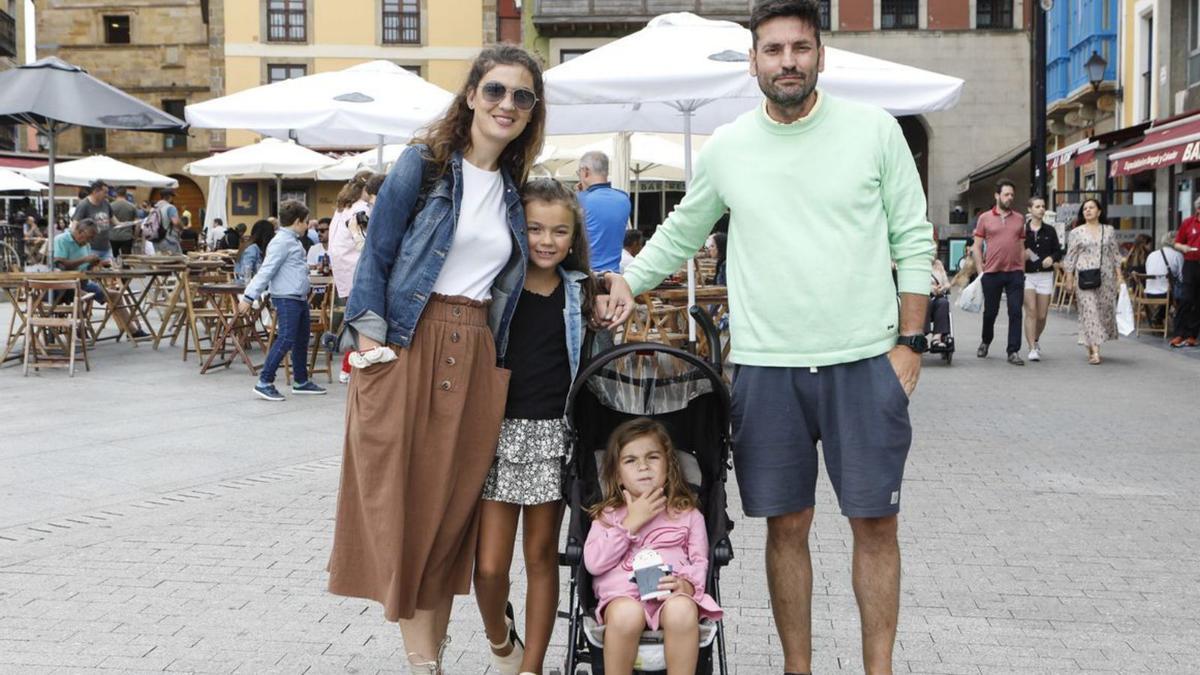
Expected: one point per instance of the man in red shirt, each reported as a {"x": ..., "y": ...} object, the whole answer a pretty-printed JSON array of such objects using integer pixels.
[
  {"x": 1187, "y": 318},
  {"x": 1003, "y": 268}
]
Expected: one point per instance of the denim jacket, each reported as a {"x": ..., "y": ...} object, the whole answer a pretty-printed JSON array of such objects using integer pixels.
[
  {"x": 284, "y": 268},
  {"x": 573, "y": 315},
  {"x": 247, "y": 263},
  {"x": 403, "y": 255}
]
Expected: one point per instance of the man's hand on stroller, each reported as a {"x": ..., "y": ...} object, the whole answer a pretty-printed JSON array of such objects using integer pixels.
[
  {"x": 677, "y": 586},
  {"x": 643, "y": 509}
]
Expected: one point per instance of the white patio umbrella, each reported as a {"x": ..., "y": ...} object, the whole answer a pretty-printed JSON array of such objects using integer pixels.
[
  {"x": 269, "y": 158},
  {"x": 11, "y": 181},
  {"x": 686, "y": 73},
  {"x": 346, "y": 167},
  {"x": 218, "y": 193},
  {"x": 651, "y": 156},
  {"x": 82, "y": 172},
  {"x": 370, "y": 104}
]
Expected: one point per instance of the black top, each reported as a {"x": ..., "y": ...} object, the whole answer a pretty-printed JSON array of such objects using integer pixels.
[
  {"x": 537, "y": 356},
  {"x": 1044, "y": 243}
]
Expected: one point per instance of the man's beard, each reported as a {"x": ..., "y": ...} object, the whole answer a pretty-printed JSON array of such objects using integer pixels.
[{"x": 792, "y": 99}]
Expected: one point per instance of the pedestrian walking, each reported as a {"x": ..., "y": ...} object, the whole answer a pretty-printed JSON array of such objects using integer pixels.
[
  {"x": 1002, "y": 264},
  {"x": 124, "y": 216},
  {"x": 1093, "y": 265},
  {"x": 347, "y": 235},
  {"x": 95, "y": 207},
  {"x": 434, "y": 295},
  {"x": 811, "y": 355},
  {"x": 1187, "y": 318},
  {"x": 1042, "y": 250},
  {"x": 607, "y": 211},
  {"x": 170, "y": 223},
  {"x": 285, "y": 274}
]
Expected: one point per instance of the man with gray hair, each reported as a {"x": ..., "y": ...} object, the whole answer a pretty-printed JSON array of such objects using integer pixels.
[{"x": 605, "y": 210}]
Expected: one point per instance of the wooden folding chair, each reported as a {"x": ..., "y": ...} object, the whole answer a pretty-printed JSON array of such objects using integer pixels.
[
  {"x": 54, "y": 335},
  {"x": 204, "y": 316},
  {"x": 321, "y": 312},
  {"x": 1144, "y": 307}
]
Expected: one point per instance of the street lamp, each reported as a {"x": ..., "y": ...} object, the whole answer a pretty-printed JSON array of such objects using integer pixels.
[{"x": 1095, "y": 69}]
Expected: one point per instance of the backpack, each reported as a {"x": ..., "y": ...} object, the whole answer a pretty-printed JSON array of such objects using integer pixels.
[{"x": 152, "y": 226}]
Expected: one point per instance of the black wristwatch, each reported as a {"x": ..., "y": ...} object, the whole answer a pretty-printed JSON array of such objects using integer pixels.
[{"x": 917, "y": 343}]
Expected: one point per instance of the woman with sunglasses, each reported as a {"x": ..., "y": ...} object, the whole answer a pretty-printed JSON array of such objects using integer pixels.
[{"x": 437, "y": 282}]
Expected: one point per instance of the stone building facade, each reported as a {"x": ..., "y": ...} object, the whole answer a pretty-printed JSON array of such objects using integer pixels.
[
  {"x": 984, "y": 42},
  {"x": 164, "y": 52},
  {"x": 12, "y": 54}
]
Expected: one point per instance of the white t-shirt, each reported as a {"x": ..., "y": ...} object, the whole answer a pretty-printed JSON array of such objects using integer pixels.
[
  {"x": 1157, "y": 269},
  {"x": 626, "y": 258},
  {"x": 482, "y": 241},
  {"x": 314, "y": 254}
]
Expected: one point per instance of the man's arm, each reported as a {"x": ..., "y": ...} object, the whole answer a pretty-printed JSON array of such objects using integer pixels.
[
  {"x": 678, "y": 239},
  {"x": 976, "y": 256},
  {"x": 76, "y": 263}
]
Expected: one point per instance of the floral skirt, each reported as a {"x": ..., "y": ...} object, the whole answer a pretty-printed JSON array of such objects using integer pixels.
[{"x": 528, "y": 465}]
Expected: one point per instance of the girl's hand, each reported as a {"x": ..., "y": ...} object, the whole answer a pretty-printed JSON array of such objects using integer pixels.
[
  {"x": 677, "y": 586},
  {"x": 643, "y": 509}
]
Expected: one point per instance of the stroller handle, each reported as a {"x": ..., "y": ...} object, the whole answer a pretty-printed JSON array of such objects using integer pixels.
[{"x": 706, "y": 324}]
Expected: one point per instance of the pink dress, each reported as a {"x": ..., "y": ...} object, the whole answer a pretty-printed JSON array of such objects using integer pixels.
[
  {"x": 680, "y": 540},
  {"x": 345, "y": 246}
]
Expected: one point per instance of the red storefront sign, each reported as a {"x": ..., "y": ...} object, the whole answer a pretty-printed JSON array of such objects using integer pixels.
[{"x": 1176, "y": 142}]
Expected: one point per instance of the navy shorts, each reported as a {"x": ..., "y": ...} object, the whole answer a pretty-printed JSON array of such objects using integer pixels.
[{"x": 859, "y": 413}]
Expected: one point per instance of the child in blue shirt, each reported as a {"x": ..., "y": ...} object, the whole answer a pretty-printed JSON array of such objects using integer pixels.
[{"x": 284, "y": 272}]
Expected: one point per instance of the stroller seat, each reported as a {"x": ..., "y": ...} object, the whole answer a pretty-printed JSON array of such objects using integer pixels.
[{"x": 651, "y": 655}]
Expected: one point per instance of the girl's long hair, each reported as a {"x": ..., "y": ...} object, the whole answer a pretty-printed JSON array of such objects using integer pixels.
[
  {"x": 679, "y": 496},
  {"x": 352, "y": 191},
  {"x": 452, "y": 132},
  {"x": 579, "y": 258},
  {"x": 261, "y": 234}
]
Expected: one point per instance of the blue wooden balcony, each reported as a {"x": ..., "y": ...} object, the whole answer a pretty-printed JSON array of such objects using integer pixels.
[{"x": 1075, "y": 29}]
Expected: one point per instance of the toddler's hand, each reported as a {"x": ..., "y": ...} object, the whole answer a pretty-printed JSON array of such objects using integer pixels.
[
  {"x": 676, "y": 585},
  {"x": 643, "y": 509}
]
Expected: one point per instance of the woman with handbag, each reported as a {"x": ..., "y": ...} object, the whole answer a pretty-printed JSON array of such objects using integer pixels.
[
  {"x": 1093, "y": 264},
  {"x": 433, "y": 297}
]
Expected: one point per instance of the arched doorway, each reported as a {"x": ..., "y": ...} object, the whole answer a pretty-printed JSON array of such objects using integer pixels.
[
  {"x": 917, "y": 136},
  {"x": 188, "y": 196}
]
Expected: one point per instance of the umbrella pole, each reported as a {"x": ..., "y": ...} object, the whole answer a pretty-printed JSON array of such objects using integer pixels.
[
  {"x": 379, "y": 154},
  {"x": 53, "y": 135},
  {"x": 691, "y": 272},
  {"x": 279, "y": 198},
  {"x": 637, "y": 194}
]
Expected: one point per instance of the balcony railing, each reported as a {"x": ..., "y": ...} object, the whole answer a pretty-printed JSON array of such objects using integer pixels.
[{"x": 8, "y": 35}]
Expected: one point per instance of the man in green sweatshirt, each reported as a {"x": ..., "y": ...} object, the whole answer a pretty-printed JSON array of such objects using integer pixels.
[{"x": 823, "y": 196}]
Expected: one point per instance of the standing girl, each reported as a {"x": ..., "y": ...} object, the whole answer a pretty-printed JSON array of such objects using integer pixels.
[
  {"x": 1041, "y": 252},
  {"x": 1091, "y": 252},
  {"x": 648, "y": 507},
  {"x": 436, "y": 287},
  {"x": 526, "y": 477}
]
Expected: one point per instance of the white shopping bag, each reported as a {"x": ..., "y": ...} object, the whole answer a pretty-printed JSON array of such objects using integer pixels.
[
  {"x": 971, "y": 299},
  {"x": 1125, "y": 323}
]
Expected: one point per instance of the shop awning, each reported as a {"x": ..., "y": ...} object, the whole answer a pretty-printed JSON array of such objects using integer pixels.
[
  {"x": 1170, "y": 142},
  {"x": 1061, "y": 156},
  {"x": 993, "y": 167},
  {"x": 1086, "y": 153}
]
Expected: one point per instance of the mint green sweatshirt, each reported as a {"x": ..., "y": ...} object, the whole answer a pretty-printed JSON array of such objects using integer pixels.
[{"x": 819, "y": 209}]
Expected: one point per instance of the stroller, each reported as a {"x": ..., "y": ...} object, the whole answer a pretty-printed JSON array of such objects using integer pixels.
[
  {"x": 688, "y": 396},
  {"x": 946, "y": 349}
]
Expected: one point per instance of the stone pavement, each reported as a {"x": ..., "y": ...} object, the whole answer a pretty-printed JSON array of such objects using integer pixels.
[{"x": 153, "y": 519}]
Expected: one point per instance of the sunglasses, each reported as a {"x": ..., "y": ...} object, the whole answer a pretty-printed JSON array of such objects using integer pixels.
[{"x": 523, "y": 99}]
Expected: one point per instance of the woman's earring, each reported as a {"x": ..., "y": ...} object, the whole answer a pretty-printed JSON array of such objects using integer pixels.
[{"x": 570, "y": 250}]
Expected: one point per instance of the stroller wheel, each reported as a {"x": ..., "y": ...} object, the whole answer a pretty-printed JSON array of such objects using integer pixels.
[{"x": 948, "y": 357}]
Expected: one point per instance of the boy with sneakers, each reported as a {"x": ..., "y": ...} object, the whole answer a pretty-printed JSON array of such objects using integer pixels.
[{"x": 284, "y": 271}]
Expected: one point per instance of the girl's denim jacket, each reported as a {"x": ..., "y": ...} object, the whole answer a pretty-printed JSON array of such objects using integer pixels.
[
  {"x": 405, "y": 251},
  {"x": 573, "y": 315}
]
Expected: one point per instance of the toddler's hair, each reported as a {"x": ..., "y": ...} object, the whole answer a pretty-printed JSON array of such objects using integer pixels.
[{"x": 679, "y": 496}]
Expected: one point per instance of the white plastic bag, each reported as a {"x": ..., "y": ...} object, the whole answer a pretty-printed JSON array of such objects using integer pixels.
[
  {"x": 1125, "y": 323},
  {"x": 971, "y": 299}
]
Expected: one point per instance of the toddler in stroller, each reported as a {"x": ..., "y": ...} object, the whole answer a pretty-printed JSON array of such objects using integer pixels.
[
  {"x": 688, "y": 403},
  {"x": 649, "y": 513}
]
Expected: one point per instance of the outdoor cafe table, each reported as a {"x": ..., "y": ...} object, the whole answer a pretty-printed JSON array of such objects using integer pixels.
[
  {"x": 121, "y": 295},
  {"x": 235, "y": 327}
]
